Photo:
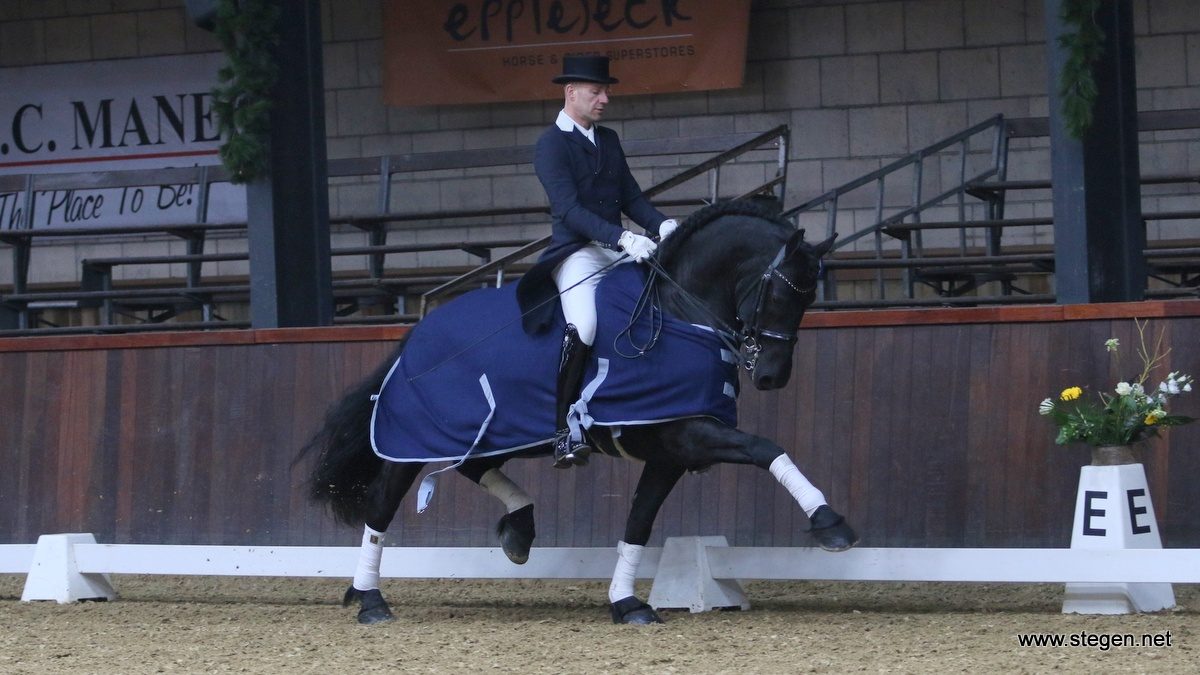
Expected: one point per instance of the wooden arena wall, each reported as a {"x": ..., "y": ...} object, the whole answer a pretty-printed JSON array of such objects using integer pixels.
[{"x": 920, "y": 425}]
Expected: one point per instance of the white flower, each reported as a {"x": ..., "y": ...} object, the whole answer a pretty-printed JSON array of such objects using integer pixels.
[
  {"x": 1137, "y": 389},
  {"x": 1111, "y": 344},
  {"x": 1046, "y": 407},
  {"x": 1123, "y": 389},
  {"x": 1169, "y": 387},
  {"x": 1178, "y": 382}
]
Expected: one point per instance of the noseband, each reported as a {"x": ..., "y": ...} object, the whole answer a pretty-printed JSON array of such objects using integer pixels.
[{"x": 752, "y": 332}]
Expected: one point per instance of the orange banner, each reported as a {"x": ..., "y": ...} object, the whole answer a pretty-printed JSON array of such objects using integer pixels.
[{"x": 482, "y": 51}]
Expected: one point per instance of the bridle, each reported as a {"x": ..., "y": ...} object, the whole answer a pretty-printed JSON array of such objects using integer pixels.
[
  {"x": 752, "y": 333},
  {"x": 748, "y": 338}
]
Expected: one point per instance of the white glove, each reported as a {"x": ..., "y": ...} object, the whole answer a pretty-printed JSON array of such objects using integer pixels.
[
  {"x": 666, "y": 228},
  {"x": 638, "y": 247}
]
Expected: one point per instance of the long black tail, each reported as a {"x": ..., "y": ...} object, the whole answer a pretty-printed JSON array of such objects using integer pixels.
[{"x": 346, "y": 464}]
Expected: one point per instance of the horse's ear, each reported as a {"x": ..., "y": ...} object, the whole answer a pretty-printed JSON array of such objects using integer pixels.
[
  {"x": 824, "y": 247},
  {"x": 793, "y": 243}
]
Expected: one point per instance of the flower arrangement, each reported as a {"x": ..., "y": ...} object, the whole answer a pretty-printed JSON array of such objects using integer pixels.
[{"x": 1127, "y": 415}]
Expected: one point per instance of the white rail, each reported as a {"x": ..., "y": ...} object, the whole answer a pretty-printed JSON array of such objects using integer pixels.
[
  {"x": 340, "y": 561},
  {"x": 1014, "y": 565},
  {"x": 16, "y": 558},
  {"x": 1003, "y": 565}
]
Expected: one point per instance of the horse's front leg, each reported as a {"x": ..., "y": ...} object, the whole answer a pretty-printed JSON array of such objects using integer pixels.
[
  {"x": 697, "y": 443},
  {"x": 515, "y": 529},
  {"x": 385, "y": 493},
  {"x": 653, "y": 487}
]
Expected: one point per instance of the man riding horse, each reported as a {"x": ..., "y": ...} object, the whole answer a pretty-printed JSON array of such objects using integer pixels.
[
  {"x": 589, "y": 184},
  {"x": 736, "y": 281}
]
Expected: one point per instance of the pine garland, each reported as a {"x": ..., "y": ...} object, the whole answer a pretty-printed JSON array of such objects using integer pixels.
[
  {"x": 1084, "y": 41},
  {"x": 247, "y": 30}
]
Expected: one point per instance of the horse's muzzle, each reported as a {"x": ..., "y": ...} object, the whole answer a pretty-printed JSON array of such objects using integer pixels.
[{"x": 769, "y": 381}]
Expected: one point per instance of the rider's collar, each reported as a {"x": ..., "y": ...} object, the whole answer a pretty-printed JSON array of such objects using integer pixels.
[{"x": 565, "y": 123}]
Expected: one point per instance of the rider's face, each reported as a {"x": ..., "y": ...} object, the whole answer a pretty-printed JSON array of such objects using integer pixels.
[{"x": 585, "y": 102}]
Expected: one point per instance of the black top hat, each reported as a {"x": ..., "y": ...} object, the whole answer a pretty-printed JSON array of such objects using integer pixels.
[{"x": 585, "y": 69}]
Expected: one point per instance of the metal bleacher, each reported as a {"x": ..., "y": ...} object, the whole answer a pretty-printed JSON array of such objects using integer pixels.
[
  {"x": 379, "y": 292},
  {"x": 935, "y": 227},
  {"x": 955, "y": 245}
]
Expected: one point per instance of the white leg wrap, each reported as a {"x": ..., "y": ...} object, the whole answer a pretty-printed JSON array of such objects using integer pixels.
[
  {"x": 501, "y": 487},
  {"x": 366, "y": 577},
  {"x": 806, "y": 495},
  {"x": 629, "y": 556}
]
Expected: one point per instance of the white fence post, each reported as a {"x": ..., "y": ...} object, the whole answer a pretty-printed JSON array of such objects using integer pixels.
[
  {"x": 685, "y": 580},
  {"x": 54, "y": 575}
]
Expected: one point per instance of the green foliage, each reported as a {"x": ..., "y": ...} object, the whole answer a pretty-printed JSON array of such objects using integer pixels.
[
  {"x": 1084, "y": 42},
  {"x": 242, "y": 100},
  {"x": 1129, "y": 414}
]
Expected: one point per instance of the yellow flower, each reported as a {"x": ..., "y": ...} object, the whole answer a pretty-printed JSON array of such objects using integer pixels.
[
  {"x": 1070, "y": 394},
  {"x": 1150, "y": 420}
]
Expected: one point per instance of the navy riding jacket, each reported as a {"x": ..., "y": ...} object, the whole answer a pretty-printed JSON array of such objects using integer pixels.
[{"x": 589, "y": 187}]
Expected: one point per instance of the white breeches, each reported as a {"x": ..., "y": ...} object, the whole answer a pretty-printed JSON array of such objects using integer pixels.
[{"x": 579, "y": 303}]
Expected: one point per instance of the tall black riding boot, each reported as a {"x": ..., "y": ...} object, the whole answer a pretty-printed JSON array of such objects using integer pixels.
[{"x": 570, "y": 379}]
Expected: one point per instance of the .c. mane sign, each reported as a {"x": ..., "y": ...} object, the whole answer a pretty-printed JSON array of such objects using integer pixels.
[
  {"x": 482, "y": 51},
  {"x": 111, "y": 115}
]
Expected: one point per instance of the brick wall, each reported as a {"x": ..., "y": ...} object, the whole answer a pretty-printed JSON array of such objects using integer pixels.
[{"x": 860, "y": 82}]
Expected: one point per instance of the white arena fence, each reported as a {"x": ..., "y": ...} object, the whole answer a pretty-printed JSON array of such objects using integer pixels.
[{"x": 695, "y": 560}]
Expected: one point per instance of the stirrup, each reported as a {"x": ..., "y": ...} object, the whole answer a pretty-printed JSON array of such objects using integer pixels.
[{"x": 568, "y": 453}]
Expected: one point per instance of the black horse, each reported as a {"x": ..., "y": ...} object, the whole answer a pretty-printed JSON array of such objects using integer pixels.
[{"x": 732, "y": 266}]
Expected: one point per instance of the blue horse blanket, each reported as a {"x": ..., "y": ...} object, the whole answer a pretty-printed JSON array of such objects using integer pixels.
[{"x": 470, "y": 381}]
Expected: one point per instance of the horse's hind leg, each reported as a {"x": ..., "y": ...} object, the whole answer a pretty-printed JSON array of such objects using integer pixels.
[
  {"x": 385, "y": 493},
  {"x": 515, "y": 529},
  {"x": 655, "y": 484}
]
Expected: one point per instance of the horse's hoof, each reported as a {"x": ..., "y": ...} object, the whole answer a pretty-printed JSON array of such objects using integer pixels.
[
  {"x": 373, "y": 608},
  {"x": 633, "y": 611},
  {"x": 831, "y": 531},
  {"x": 516, "y": 534}
]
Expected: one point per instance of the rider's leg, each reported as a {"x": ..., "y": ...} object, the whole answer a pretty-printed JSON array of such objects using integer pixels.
[
  {"x": 578, "y": 274},
  {"x": 571, "y": 366}
]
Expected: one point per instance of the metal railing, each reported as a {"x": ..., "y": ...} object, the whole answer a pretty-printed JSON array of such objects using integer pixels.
[
  {"x": 917, "y": 204},
  {"x": 777, "y": 184}
]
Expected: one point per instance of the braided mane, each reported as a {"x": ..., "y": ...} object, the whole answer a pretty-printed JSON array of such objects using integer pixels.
[{"x": 706, "y": 215}]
